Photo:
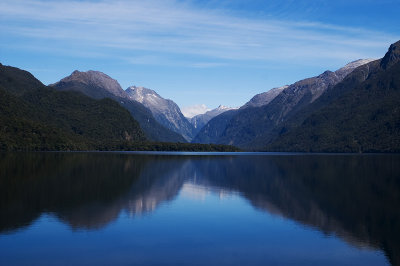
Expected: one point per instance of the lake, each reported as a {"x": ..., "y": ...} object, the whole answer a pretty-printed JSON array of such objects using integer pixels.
[{"x": 199, "y": 209}]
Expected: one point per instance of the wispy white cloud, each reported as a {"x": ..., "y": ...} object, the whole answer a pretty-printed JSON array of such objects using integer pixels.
[
  {"x": 190, "y": 111},
  {"x": 138, "y": 29}
]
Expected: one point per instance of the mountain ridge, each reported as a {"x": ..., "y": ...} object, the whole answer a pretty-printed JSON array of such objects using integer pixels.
[
  {"x": 98, "y": 85},
  {"x": 165, "y": 111},
  {"x": 352, "y": 109},
  {"x": 253, "y": 122},
  {"x": 360, "y": 114},
  {"x": 37, "y": 117},
  {"x": 264, "y": 97}
]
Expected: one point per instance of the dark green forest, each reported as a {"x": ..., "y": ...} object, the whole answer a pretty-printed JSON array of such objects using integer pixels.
[
  {"x": 34, "y": 117},
  {"x": 363, "y": 117}
]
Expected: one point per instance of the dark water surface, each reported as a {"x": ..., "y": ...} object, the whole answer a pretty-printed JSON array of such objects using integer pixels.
[{"x": 152, "y": 209}]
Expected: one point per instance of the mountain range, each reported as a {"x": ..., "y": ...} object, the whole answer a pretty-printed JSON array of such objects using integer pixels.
[
  {"x": 264, "y": 97},
  {"x": 212, "y": 130},
  {"x": 98, "y": 85},
  {"x": 161, "y": 119},
  {"x": 36, "y": 117},
  {"x": 353, "y": 109},
  {"x": 88, "y": 112},
  {"x": 360, "y": 114},
  {"x": 254, "y": 126}
]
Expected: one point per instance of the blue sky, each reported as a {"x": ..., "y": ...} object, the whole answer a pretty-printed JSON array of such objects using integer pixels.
[{"x": 195, "y": 52}]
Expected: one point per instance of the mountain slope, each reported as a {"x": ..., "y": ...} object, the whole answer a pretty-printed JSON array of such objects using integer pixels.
[
  {"x": 92, "y": 83},
  {"x": 19, "y": 132},
  {"x": 165, "y": 111},
  {"x": 255, "y": 122},
  {"x": 35, "y": 117},
  {"x": 98, "y": 85},
  {"x": 17, "y": 81},
  {"x": 264, "y": 98},
  {"x": 211, "y": 132},
  {"x": 199, "y": 121},
  {"x": 259, "y": 122},
  {"x": 363, "y": 117}
]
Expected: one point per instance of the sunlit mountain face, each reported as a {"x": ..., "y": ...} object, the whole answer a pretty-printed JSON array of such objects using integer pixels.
[{"x": 350, "y": 199}]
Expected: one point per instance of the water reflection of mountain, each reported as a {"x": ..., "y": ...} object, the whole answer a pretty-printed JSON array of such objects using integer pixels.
[
  {"x": 84, "y": 190},
  {"x": 78, "y": 185},
  {"x": 354, "y": 197}
]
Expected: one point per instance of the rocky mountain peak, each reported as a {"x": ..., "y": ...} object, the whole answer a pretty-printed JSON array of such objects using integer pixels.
[
  {"x": 141, "y": 90},
  {"x": 165, "y": 111},
  {"x": 96, "y": 79},
  {"x": 326, "y": 73},
  {"x": 392, "y": 56},
  {"x": 148, "y": 97}
]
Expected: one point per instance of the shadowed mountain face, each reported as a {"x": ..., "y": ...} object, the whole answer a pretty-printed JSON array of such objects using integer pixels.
[
  {"x": 17, "y": 81},
  {"x": 98, "y": 85},
  {"x": 254, "y": 124},
  {"x": 353, "y": 197},
  {"x": 36, "y": 117},
  {"x": 392, "y": 57},
  {"x": 360, "y": 114},
  {"x": 199, "y": 121},
  {"x": 211, "y": 131},
  {"x": 165, "y": 111}
]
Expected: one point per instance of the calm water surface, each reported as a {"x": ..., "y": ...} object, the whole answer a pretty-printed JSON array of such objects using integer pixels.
[{"x": 191, "y": 209}]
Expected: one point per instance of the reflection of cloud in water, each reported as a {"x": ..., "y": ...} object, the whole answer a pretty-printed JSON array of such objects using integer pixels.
[
  {"x": 139, "y": 206},
  {"x": 199, "y": 192}
]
